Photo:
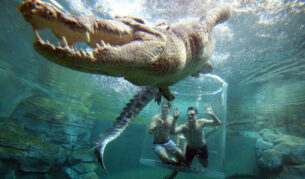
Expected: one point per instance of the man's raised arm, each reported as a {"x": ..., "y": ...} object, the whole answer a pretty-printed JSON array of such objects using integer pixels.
[
  {"x": 211, "y": 113},
  {"x": 174, "y": 129}
]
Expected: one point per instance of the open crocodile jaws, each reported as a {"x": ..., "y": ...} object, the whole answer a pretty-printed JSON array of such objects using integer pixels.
[{"x": 125, "y": 46}]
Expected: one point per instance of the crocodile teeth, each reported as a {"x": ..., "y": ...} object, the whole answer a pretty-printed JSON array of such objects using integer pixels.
[
  {"x": 103, "y": 43},
  {"x": 64, "y": 40},
  {"x": 53, "y": 47},
  {"x": 77, "y": 52},
  {"x": 89, "y": 53},
  {"x": 95, "y": 26},
  {"x": 87, "y": 36},
  {"x": 37, "y": 36},
  {"x": 82, "y": 52},
  {"x": 98, "y": 45}
]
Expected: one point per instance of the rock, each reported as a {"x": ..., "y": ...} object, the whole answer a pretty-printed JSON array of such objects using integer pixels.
[
  {"x": 288, "y": 138},
  {"x": 268, "y": 135},
  {"x": 286, "y": 152},
  {"x": 7, "y": 166},
  {"x": 259, "y": 125},
  {"x": 297, "y": 155},
  {"x": 292, "y": 148},
  {"x": 40, "y": 135},
  {"x": 295, "y": 172},
  {"x": 262, "y": 145},
  {"x": 41, "y": 156},
  {"x": 265, "y": 130},
  {"x": 271, "y": 159},
  {"x": 62, "y": 155},
  {"x": 79, "y": 156},
  {"x": 31, "y": 175},
  {"x": 284, "y": 148},
  {"x": 91, "y": 175},
  {"x": 33, "y": 154},
  {"x": 46, "y": 119},
  {"x": 11, "y": 153},
  {"x": 31, "y": 164},
  {"x": 12, "y": 134},
  {"x": 72, "y": 174},
  {"x": 84, "y": 167},
  {"x": 10, "y": 175},
  {"x": 260, "y": 117}
]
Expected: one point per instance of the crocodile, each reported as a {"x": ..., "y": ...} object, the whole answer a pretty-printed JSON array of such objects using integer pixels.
[{"x": 124, "y": 46}]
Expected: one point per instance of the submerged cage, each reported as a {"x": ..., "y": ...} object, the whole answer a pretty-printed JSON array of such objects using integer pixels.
[{"x": 207, "y": 89}]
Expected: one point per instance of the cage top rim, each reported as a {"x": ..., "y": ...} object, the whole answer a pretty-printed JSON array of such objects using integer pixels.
[{"x": 199, "y": 92}]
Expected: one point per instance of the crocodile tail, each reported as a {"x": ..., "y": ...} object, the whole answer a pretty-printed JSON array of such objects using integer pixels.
[
  {"x": 132, "y": 109},
  {"x": 216, "y": 15}
]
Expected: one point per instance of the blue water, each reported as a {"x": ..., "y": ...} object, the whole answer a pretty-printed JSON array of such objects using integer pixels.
[{"x": 259, "y": 52}]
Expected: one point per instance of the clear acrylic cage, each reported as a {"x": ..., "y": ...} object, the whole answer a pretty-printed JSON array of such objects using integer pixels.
[{"x": 207, "y": 89}]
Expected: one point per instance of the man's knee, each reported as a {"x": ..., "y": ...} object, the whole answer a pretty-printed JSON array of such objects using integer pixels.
[
  {"x": 176, "y": 152},
  {"x": 163, "y": 156},
  {"x": 179, "y": 154}
]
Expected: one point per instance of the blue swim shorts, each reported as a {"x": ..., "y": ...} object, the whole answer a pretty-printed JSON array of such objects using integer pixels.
[{"x": 168, "y": 145}]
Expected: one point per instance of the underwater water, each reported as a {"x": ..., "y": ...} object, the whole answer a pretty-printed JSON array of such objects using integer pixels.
[{"x": 51, "y": 116}]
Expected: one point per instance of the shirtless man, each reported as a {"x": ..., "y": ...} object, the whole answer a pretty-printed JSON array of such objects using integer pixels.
[
  {"x": 160, "y": 127},
  {"x": 194, "y": 134}
]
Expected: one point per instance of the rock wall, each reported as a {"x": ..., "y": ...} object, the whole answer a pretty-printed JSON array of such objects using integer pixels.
[
  {"x": 274, "y": 115},
  {"x": 275, "y": 105},
  {"x": 44, "y": 139},
  {"x": 281, "y": 155}
]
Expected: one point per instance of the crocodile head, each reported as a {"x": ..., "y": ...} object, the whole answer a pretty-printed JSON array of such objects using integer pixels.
[{"x": 112, "y": 41}]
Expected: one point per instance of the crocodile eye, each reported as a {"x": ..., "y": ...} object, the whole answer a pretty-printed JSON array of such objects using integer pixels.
[{"x": 49, "y": 13}]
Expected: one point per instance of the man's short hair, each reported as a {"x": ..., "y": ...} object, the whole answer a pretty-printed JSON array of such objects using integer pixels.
[
  {"x": 192, "y": 109},
  {"x": 166, "y": 103}
]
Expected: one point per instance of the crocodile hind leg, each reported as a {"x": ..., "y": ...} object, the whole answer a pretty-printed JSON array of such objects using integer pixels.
[{"x": 135, "y": 105}]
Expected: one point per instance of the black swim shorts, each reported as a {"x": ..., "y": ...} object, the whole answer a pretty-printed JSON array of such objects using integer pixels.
[{"x": 202, "y": 152}]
